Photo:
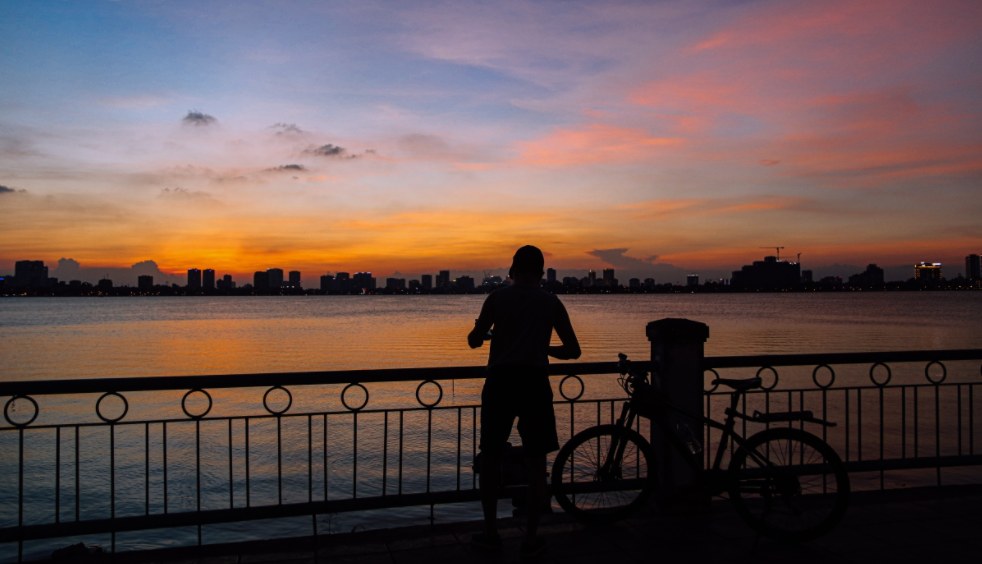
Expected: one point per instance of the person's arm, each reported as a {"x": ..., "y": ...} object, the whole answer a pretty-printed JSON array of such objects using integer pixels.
[
  {"x": 570, "y": 349},
  {"x": 483, "y": 324}
]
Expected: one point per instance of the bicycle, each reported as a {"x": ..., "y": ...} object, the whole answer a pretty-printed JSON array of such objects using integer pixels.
[{"x": 787, "y": 484}]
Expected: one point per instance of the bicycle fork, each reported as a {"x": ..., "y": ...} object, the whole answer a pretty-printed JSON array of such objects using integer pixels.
[{"x": 615, "y": 452}]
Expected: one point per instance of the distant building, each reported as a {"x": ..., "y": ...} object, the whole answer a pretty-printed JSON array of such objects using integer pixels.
[
  {"x": 342, "y": 282},
  {"x": 872, "y": 276},
  {"x": 492, "y": 281},
  {"x": 208, "y": 279},
  {"x": 571, "y": 282},
  {"x": 260, "y": 280},
  {"x": 226, "y": 283},
  {"x": 692, "y": 280},
  {"x": 973, "y": 269},
  {"x": 550, "y": 275},
  {"x": 413, "y": 285},
  {"x": 927, "y": 272},
  {"x": 634, "y": 283},
  {"x": 194, "y": 279},
  {"x": 426, "y": 282},
  {"x": 609, "y": 279},
  {"x": 105, "y": 285},
  {"x": 806, "y": 276},
  {"x": 395, "y": 283},
  {"x": 443, "y": 280},
  {"x": 768, "y": 273},
  {"x": 465, "y": 283},
  {"x": 327, "y": 283},
  {"x": 294, "y": 278},
  {"x": 275, "y": 277},
  {"x": 831, "y": 280},
  {"x": 30, "y": 273},
  {"x": 591, "y": 278},
  {"x": 362, "y": 281},
  {"x": 144, "y": 282},
  {"x": 649, "y": 283}
]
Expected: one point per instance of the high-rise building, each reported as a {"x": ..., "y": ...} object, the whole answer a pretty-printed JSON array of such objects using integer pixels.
[
  {"x": 649, "y": 283},
  {"x": 260, "y": 280},
  {"x": 634, "y": 283},
  {"x": 973, "y": 269},
  {"x": 194, "y": 279},
  {"x": 806, "y": 276},
  {"x": 327, "y": 283},
  {"x": 295, "y": 279},
  {"x": 208, "y": 279},
  {"x": 464, "y": 283},
  {"x": 927, "y": 272},
  {"x": 692, "y": 280},
  {"x": 592, "y": 278},
  {"x": 31, "y": 273},
  {"x": 609, "y": 279},
  {"x": 275, "y": 277},
  {"x": 362, "y": 281},
  {"x": 144, "y": 282},
  {"x": 426, "y": 282},
  {"x": 225, "y": 283},
  {"x": 413, "y": 285},
  {"x": 342, "y": 282},
  {"x": 550, "y": 275},
  {"x": 768, "y": 273},
  {"x": 443, "y": 280},
  {"x": 105, "y": 285}
]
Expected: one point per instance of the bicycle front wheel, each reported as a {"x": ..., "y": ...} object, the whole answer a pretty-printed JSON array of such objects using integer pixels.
[
  {"x": 604, "y": 474},
  {"x": 788, "y": 485}
]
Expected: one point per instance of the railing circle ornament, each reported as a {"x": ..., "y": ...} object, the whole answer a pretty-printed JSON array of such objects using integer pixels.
[
  {"x": 831, "y": 374},
  {"x": 98, "y": 407},
  {"x": 927, "y": 372},
  {"x": 577, "y": 396},
  {"x": 774, "y": 372},
  {"x": 185, "y": 400},
  {"x": 10, "y": 402},
  {"x": 872, "y": 376},
  {"x": 288, "y": 403},
  {"x": 716, "y": 377},
  {"x": 438, "y": 399},
  {"x": 344, "y": 393}
]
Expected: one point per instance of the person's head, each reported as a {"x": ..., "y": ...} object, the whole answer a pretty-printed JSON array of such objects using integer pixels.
[{"x": 527, "y": 265}]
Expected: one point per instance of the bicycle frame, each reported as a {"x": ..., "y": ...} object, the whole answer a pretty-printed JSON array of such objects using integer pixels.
[{"x": 629, "y": 412}]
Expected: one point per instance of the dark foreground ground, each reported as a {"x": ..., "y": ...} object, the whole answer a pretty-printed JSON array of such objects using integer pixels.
[{"x": 896, "y": 526}]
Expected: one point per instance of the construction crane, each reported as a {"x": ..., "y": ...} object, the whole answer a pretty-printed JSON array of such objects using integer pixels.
[
  {"x": 778, "y": 249},
  {"x": 799, "y": 258}
]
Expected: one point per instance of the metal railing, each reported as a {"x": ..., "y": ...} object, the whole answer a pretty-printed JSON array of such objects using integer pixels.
[{"x": 114, "y": 474}]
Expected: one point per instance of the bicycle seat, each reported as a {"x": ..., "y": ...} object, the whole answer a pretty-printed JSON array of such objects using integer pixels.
[{"x": 739, "y": 385}]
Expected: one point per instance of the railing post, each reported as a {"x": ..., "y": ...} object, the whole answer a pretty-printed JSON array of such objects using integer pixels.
[{"x": 677, "y": 352}]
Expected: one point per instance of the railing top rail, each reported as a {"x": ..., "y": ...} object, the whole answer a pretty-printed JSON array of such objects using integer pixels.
[
  {"x": 839, "y": 358},
  {"x": 211, "y": 382}
]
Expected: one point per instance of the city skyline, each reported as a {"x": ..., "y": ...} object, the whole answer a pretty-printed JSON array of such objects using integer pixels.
[{"x": 415, "y": 136}]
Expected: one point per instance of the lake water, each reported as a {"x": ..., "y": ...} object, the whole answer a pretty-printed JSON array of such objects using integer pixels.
[
  {"x": 112, "y": 337},
  {"x": 45, "y": 338}
]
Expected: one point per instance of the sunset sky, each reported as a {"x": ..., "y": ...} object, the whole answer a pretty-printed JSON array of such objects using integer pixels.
[{"x": 415, "y": 136}]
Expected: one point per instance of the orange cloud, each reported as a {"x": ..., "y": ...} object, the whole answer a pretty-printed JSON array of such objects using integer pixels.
[{"x": 592, "y": 144}]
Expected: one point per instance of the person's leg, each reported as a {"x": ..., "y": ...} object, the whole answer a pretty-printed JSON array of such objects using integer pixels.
[
  {"x": 490, "y": 478},
  {"x": 535, "y": 469}
]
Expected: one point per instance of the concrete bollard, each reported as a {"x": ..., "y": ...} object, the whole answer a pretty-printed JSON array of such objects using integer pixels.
[{"x": 677, "y": 351}]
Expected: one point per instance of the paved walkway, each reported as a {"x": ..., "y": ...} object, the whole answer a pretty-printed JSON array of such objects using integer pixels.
[{"x": 896, "y": 526}]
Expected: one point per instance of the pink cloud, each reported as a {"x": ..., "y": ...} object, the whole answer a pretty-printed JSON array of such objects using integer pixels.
[{"x": 592, "y": 144}]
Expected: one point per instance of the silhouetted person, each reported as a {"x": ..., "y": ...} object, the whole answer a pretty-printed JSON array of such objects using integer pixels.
[{"x": 522, "y": 316}]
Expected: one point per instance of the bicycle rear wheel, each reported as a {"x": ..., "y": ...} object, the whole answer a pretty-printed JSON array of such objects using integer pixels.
[
  {"x": 788, "y": 485},
  {"x": 595, "y": 491}
]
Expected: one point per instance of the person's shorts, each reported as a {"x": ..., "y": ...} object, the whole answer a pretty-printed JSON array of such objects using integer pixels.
[{"x": 523, "y": 392}]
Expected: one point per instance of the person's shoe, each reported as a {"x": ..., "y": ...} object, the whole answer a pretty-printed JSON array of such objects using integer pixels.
[
  {"x": 487, "y": 542},
  {"x": 534, "y": 548}
]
